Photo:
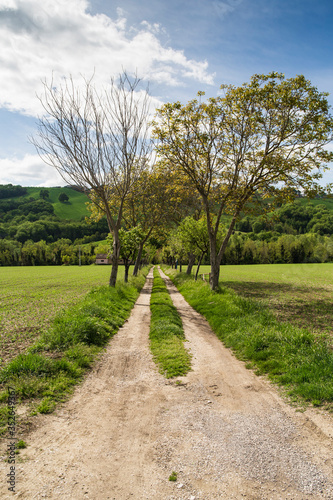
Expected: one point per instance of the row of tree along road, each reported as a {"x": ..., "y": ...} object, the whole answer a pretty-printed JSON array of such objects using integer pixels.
[{"x": 221, "y": 156}]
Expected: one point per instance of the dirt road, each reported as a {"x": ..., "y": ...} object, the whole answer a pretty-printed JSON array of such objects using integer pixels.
[{"x": 226, "y": 432}]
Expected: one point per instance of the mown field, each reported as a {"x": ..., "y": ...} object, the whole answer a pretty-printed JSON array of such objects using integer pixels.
[
  {"x": 30, "y": 297},
  {"x": 299, "y": 293}
]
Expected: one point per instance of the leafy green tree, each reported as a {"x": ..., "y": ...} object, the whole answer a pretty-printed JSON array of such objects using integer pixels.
[
  {"x": 129, "y": 246},
  {"x": 266, "y": 137},
  {"x": 10, "y": 252},
  {"x": 10, "y": 191},
  {"x": 145, "y": 207},
  {"x": 194, "y": 235},
  {"x": 44, "y": 194},
  {"x": 63, "y": 197},
  {"x": 176, "y": 249}
]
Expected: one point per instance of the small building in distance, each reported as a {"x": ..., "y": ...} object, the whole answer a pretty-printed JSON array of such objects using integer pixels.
[{"x": 102, "y": 258}]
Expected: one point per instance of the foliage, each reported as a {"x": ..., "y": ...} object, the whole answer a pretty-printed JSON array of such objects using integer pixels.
[
  {"x": 173, "y": 476},
  {"x": 44, "y": 194},
  {"x": 63, "y": 197},
  {"x": 194, "y": 234},
  {"x": 264, "y": 138},
  {"x": 129, "y": 246},
  {"x": 10, "y": 191},
  {"x": 145, "y": 207},
  {"x": 293, "y": 218}
]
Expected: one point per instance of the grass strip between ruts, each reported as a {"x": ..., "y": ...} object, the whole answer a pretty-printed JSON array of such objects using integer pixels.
[
  {"x": 294, "y": 358},
  {"x": 48, "y": 371},
  {"x": 166, "y": 333}
]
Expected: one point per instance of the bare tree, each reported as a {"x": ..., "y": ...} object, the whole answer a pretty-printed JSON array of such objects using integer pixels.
[{"x": 98, "y": 141}]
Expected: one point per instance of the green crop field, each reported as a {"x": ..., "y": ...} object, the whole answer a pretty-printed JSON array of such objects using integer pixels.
[
  {"x": 30, "y": 297},
  {"x": 299, "y": 293}
]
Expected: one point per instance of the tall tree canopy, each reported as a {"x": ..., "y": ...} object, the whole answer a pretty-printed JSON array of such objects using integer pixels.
[{"x": 265, "y": 137}]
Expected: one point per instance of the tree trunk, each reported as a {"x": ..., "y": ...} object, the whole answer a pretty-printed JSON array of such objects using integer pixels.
[
  {"x": 138, "y": 260},
  {"x": 115, "y": 258},
  {"x": 191, "y": 260},
  {"x": 216, "y": 256},
  {"x": 214, "y": 264},
  {"x": 199, "y": 264},
  {"x": 127, "y": 266}
]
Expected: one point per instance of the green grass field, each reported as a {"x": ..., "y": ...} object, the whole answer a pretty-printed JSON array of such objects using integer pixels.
[
  {"x": 299, "y": 293},
  {"x": 74, "y": 209},
  {"x": 30, "y": 297},
  {"x": 298, "y": 359}
]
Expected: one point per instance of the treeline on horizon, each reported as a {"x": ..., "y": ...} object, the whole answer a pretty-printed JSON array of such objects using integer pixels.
[{"x": 30, "y": 234}]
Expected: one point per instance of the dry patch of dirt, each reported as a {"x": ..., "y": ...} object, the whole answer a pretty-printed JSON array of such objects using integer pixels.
[{"x": 226, "y": 432}]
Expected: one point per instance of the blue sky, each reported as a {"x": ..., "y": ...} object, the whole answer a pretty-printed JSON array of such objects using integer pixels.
[{"x": 179, "y": 46}]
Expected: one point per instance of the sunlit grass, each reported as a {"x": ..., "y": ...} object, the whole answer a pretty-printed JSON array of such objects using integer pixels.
[
  {"x": 298, "y": 293},
  {"x": 296, "y": 358},
  {"x": 46, "y": 373},
  {"x": 30, "y": 298},
  {"x": 166, "y": 332}
]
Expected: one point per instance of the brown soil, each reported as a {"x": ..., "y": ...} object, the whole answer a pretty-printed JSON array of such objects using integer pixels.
[{"x": 226, "y": 432}]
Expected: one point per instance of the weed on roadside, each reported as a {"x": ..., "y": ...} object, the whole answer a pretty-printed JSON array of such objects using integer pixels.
[{"x": 173, "y": 476}]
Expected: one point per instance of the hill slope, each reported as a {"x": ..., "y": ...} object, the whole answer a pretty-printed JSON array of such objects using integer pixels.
[{"x": 74, "y": 209}]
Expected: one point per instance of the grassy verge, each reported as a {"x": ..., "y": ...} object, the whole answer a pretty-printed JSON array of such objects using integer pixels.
[
  {"x": 166, "y": 333},
  {"x": 301, "y": 294},
  {"x": 293, "y": 357},
  {"x": 46, "y": 374}
]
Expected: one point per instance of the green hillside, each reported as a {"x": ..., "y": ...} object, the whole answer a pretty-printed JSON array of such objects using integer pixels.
[
  {"x": 328, "y": 202},
  {"x": 74, "y": 209}
]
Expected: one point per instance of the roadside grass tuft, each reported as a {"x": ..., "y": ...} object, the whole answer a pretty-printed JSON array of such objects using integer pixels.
[
  {"x": 20, "y": 445},
  {"x": 292, "y": 357},
  {"x": 173, "y": 476},
  {"x": 47, "y": 373},
  {"x": 166, "y": 333}
]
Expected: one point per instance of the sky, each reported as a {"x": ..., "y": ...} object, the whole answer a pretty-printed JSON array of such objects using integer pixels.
[{"x": 179, "y": 47}]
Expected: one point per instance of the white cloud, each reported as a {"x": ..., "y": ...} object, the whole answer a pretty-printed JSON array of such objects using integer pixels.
[
  {"x": 29, "y": 171},
  {"x": 38, "y": 38}
]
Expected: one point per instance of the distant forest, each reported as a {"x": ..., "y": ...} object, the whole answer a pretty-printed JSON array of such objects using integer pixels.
[{"x": 32, "y": 234}]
